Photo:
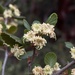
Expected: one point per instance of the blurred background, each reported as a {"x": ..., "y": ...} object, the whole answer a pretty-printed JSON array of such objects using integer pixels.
[{"x": 65, "y": 31}]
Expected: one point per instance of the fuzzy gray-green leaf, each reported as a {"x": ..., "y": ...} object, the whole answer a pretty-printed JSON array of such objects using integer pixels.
[
  {"x": 69, "y": 45},
  {"x": 50, "y": 59},
  {"x": 52, "y": 20},
  {"x": 26, "y": 24},
  {"x": 10, "y": 39}
]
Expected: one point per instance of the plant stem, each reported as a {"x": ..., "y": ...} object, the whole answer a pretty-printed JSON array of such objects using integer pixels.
[
  {"x": 8, "y": 2},
  {"x": 4, "y": 63},
  {"x": 64, "y": 68}
]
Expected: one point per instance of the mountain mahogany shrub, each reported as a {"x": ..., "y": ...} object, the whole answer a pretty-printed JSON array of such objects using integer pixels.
[
  {"x": 33, "y": 38},
  {"x": 34, "y": 35}
]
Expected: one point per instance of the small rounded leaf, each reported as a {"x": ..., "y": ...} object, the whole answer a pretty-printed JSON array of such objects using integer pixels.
[
  {"x": 69, "y": 45},
  {"x": 12, "y": 29},
  {"x": 50, "y": 59},
  {"x": 10, "y": 39},
  {"x": 52, "y": 20}
]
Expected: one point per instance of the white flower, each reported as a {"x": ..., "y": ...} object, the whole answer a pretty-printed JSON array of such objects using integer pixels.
[
  {"x": 73, "y": 71},
  {"x": 73, "y": 52},
  {"x": 48, "y": 70},
  {"x": 7, "y": 13},
  {"x": 48, "y": 30},
  {"x": 45, "y": 29},
  {"x": 53, "y": 35},
  {"x": 37, "y": 70},
  {"x": 17, "y": 51},
  {"x": 1, "y": 28},
  {"x": 29, "y": 37},
  {"x": 56, "y": 66},
  {"x": 15, "y": 9},
  {"x": 16, "y": 12},
  {"x": 12, "y": 6},
  {"x": 39, "y": 42},
  {"x": 36, "y": 27}
]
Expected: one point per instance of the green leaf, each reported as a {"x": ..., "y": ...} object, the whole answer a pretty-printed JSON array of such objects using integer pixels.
[
  {"x": 12, "y": 29},
  {"x": 10, "y": 39},
  {"x": 1, "y": 9},
  {"x": 69, "y": 45},
  {"x": 28, "y": 54},
  {"x": 26, "y": 24},
  {"x": 52, "y": 20},
  {"x": 19, "y": 18},
  {"x": 50, "y": 59},
  {"x": 25, "y": 31},
  {"x": 36, "y": 21}
]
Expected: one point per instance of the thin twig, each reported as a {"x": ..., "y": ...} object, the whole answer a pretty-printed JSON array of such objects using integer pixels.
[
  {"x": 8, "y": 2},
  {"x": 64, "y": 68},
  {"x": 6, "y": 54},
  {"x": 4, "y": 63}
]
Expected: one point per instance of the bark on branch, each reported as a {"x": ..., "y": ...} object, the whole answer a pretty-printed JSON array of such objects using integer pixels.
[{"x": 64, "y": 68}]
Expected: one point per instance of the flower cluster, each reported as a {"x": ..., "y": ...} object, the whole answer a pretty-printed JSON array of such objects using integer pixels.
[
  {"x": 73, "y": 71},
  {"x": 15, "y": 9},
  {"x": 17, "y": 51},
  {"x": 47, "y": 70},
  {"x": 29, "y": 36},
  {"x": 9, "y": 13},
  {"x": 36, "y": 27},
  {"x": 12, "y": 11},
  {"x": 37, "y": 70},
  {"x": 73, "y": 52},
  {"x": 34, "y": 37},
  {"x": 44, "y": 28},
  {"x": 38, "y": 41}
]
